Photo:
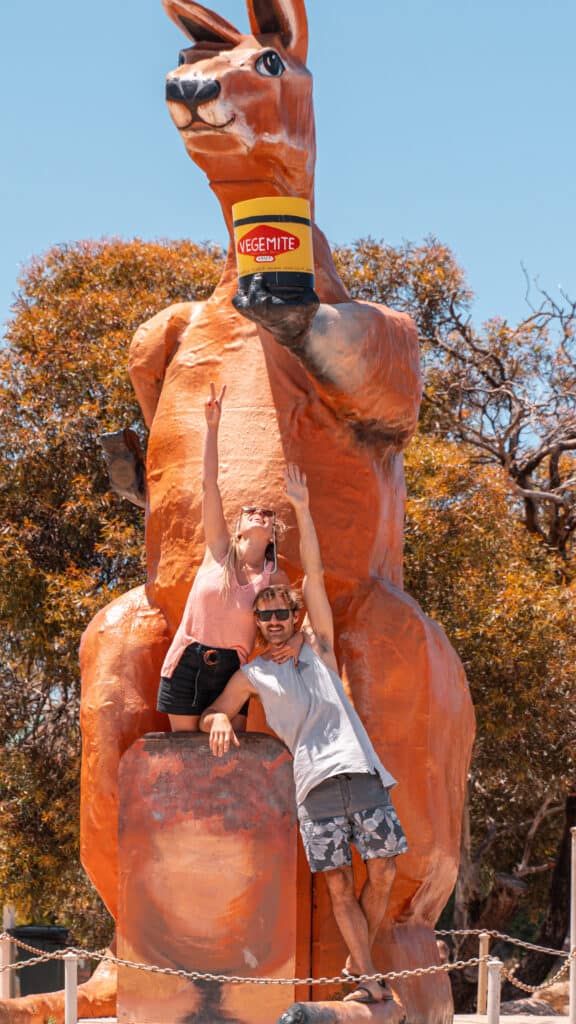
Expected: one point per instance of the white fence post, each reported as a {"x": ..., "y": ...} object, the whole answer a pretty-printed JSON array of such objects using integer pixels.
[
  {"x": 7, "y": 953},
  {"x": 70, "y": 988},
  {"x": 572, "y": 1003},
  {"x": 6, "y": 975},
  {"x": 482, "y": 993},
  {"x": 494, "y": 968}
]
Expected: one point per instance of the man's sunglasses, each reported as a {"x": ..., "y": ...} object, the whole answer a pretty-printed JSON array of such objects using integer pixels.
[
  {"x": 268, "y": 513},
  {"x": 282, "y": 614}
]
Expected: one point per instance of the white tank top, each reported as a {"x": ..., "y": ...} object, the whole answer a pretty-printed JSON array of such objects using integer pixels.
[{"x": 306, "y": 706}]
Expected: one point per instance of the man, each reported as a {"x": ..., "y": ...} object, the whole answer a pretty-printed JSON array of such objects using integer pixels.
[{"x": 341, "y": 786}]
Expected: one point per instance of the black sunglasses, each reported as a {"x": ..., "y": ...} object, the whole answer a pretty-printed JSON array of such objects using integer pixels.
[
  {"x": 251, "y": 509},
  {"x": 282, "y": 614}
]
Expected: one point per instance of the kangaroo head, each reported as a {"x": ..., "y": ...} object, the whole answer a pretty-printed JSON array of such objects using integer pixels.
[{"x": 243, "y": 103}]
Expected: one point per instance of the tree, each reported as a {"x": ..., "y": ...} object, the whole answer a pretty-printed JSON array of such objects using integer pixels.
[
  {"x": 507, "y": 391},
  {"x": 67, "y": 545},
  {"x": 498, "y": 593},
  {"x": 510, "y": 394}
]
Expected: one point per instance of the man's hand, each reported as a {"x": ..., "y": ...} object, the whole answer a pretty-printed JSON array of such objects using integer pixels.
[
  {"x": 291, "y": 649},
  {"x": 296, "y": 488},
  {"x": 221, "y": 735},
  {"x": 213, "y": 406}
]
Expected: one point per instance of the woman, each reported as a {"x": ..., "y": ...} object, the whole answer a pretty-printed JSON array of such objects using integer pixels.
[{"x": 217, "y": 630}]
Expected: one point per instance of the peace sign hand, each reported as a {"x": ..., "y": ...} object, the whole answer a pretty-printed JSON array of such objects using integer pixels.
[{"x": 213, "y": 406}]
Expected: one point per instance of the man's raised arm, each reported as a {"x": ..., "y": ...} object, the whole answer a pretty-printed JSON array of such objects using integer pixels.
[{"x": 315, "y": 597}]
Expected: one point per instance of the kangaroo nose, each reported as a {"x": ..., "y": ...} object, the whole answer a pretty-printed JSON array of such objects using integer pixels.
[{"x": 191, "y": 91}]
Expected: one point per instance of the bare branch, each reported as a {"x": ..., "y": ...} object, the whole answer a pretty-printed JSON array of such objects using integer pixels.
[{"x": 544, "y": 812}]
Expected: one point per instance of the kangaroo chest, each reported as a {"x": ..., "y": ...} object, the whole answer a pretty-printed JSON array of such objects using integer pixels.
[{"x": 274, "y": 414}]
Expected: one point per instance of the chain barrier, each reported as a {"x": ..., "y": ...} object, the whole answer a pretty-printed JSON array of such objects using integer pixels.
[
  {"x": 91, "y": 955},
  {"x": 505, "y": 938},
  {"x": 104, "y": 957},
  {"x": 509, "y": 975}
]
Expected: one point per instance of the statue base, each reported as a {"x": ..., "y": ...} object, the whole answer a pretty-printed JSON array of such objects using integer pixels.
[{"x": 208, "y": 864}]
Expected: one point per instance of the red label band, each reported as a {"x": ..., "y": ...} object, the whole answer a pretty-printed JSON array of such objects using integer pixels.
[{"x": 264, "y": 243}]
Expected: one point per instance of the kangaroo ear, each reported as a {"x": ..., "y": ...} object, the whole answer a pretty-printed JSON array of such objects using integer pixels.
[
  {"x": 200, "y": 24},
  {"x": 284, "y": 18}
]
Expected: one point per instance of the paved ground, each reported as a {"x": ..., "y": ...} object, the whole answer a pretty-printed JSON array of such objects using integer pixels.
[
  {"x": 460, "y": 1018},
  {"x": 510, "y": 1018}
]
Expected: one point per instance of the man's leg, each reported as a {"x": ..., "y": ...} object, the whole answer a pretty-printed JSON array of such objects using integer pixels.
[
  {"x": 353, "y": 925},
  {"x": 374, "y": 899},
  {"x": 378, "y": 836}
]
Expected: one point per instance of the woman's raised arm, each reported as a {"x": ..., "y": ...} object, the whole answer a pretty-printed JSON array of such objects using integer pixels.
[{"x": 215, "y": 528}]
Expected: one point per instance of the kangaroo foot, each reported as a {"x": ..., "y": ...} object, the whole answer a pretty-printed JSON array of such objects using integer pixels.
[
  {"x": 387, "y": 1012},
  {"x": 96, "y": 998}
]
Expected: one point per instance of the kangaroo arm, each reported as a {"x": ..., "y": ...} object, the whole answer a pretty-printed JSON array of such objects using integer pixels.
[
  {"x": 151, "y": 350},
  {"x": 365, "y": 359}
]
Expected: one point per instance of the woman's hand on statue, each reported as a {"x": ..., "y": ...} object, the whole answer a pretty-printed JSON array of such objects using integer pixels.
[
  {"x": 296, "y": 488},
  {"x": 213, "y": 406},
  {"x": 291, "y": 649},
  {"x": 222, "y": 735}
]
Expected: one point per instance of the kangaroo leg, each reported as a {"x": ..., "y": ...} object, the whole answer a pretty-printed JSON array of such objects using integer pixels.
[
  {"x": 96, "y": 998},
  {"x": 120, "y": 657}
]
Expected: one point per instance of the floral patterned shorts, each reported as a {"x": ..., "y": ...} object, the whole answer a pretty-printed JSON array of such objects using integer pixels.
[{"x": 375, "y": 830}]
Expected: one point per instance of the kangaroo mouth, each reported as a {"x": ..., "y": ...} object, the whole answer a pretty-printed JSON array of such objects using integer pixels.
[
  {"x": 198, "y": 125},
  {"x": 191, "y": 121}
]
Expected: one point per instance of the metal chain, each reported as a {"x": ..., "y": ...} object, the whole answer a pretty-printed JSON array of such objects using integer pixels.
[
  {"x": 545, "y": 984},
  {"x": 69, "y": 949},
  {"x": 28, "y": 963},
  {"x": 505, "y": 938},
  {"x": 337, "y": 979},
  {"x": 104, "y": 957}
]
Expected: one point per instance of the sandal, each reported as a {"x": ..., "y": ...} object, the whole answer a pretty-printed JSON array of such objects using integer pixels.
[
  {"x": 349, "y": 975},
  {"x": 361, "y": 994},
  {"x": 366, "y": 995},
  {"x": 387, "y": 993}
]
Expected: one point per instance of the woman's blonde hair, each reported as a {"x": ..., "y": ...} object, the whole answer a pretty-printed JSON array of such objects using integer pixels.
[{"x": 232, "y": 559}]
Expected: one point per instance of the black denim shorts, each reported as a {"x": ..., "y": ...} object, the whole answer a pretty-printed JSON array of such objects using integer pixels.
[{"x": 198, "y": 679}]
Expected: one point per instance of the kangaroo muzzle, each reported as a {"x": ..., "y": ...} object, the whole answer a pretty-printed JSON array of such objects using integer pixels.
[{"x": 191, "y": 92}]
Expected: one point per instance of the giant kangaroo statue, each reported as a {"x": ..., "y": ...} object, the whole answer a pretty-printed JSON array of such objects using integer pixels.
[{"x": 325, "y": 382}]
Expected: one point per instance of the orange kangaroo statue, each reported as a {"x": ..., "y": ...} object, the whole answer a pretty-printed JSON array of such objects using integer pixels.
[{"x": 334, "y": 386}]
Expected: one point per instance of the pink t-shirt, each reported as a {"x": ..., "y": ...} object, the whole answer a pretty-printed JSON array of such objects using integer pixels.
[{"x": 215, "y": 617}]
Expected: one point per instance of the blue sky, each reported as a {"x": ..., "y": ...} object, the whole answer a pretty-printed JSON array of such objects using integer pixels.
[{"x": 453, "y": 118}]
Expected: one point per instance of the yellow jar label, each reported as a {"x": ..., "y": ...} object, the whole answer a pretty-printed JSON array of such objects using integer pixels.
[{"x": 273, "y": 234}]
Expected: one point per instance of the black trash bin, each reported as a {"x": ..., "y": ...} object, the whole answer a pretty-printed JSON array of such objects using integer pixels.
[{"x": 48, "y": 976}]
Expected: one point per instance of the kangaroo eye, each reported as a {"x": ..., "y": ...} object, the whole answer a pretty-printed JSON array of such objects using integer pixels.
[
  {"x": 183, "y": 57},
  {"x": 270, "y": 65}
]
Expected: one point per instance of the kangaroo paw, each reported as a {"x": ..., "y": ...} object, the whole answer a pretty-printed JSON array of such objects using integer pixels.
[
  {"x": 286, "y": 316},
  {"x": 126, "y": 467}
]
